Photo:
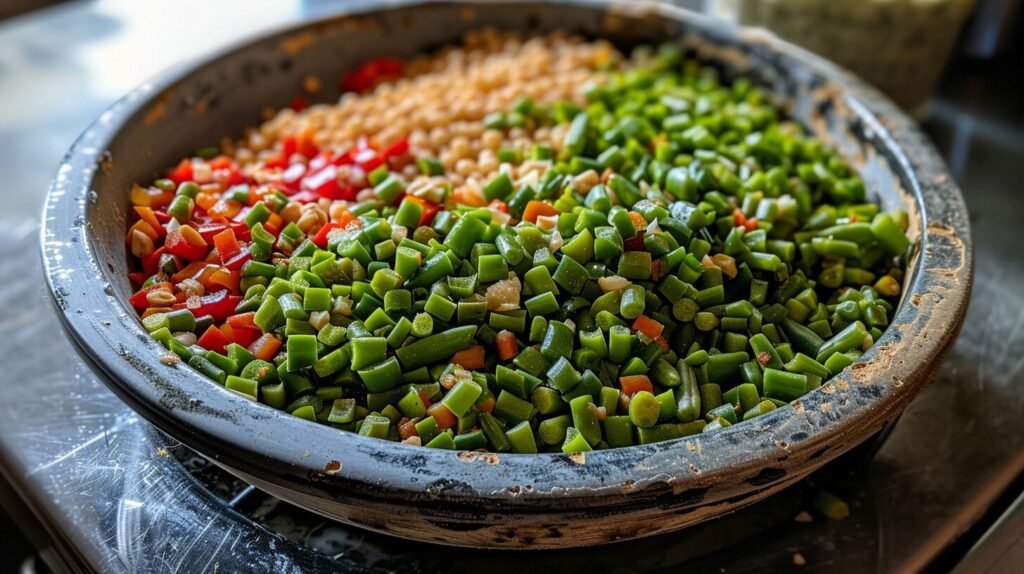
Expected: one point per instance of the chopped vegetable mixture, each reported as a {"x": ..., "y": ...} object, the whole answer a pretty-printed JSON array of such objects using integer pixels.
[{"x": 520, "y": 245}]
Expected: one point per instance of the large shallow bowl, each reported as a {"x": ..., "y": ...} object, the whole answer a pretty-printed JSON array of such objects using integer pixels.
[{"x": 475, "y": 499}]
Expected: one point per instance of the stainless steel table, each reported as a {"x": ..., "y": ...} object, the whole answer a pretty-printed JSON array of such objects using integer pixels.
[{"x": 97, "y": 489}]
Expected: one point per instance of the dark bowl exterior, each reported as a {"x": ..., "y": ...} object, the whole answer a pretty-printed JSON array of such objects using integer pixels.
[{"x": 478, "y": 499}]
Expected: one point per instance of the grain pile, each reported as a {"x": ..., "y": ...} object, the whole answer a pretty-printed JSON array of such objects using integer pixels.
[{"x": 440, "y": 104}]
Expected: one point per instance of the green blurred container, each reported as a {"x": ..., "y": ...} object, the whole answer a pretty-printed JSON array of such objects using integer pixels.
[{"x": 900, "y": 46}]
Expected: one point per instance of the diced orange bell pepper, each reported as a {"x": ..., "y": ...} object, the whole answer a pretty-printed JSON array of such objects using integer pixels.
[
  {"x": 226, "y": 244},
  {"x": 507, "y": 346},
  {"x": 536, "y": 208},
  {"x": 649, "y": 327},
  {"x": 225, "y": 278},
  {"x": 633, "y": 384},
  {"x": 193, "y": 270},
  {"x": 471, "y": 358},
  {"x": 486, "y": 405},
  {"x": 143, "y": 226},
  {"x": 639, "y": 223},
  {"x": 224, "y": 208},
  {"x": 147, "y": 215},
  {"x": 151, "y": 196},
  {"x": 444, "y": 417},
  {"x": 265, "y": 347}
]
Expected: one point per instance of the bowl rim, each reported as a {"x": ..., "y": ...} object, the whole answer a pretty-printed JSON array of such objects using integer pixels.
[{"x": 233, "y": 430}]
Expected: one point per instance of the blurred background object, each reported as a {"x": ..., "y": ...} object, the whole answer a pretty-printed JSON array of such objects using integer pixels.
[
  {"x": 900, "y": 46},
  {"x": 10, "y": 8},
  {"x": 993, "y": 28}
]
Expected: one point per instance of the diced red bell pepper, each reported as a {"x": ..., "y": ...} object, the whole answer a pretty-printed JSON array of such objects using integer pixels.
[
  {"x": 398, "y": 198},
  {"x": 137, "y": 277},
  {"x": 176, "y": 244},
  {"x": 365, "y": 76},
  {"x": 303, "y": 197},
  {"x": 182, "y": 172},
  {"x": 298, "y": 103},
  {"x": 214, "y": 339},
  {"x": 211, "y": 228},
  {"x": 323, "y": 182},
  {"x": 429, "y": 212},
  {"x": 238, "y": 260},
  {"x": 349, "y": 193},
  {"x": 292, "y": 176},
  {"x": 271, "y": 228},
  {"x": 138, "y": 299},
  {"x": 362, "y": 145},
  {"x": 319, "y": 161},
  {"x": 241, "y": 215},
  {"x": 230, "y": 176},
  {"x": 278, "y": 162},
  {"x": 368, "y": 159},
  {"x": 200, "y": 217},
  {"x": 221, "y": 162},
  {"x": 430, "y": 209},
  {"x": 288, "y": 146},
  {"x": 243, "y": 321},
  {"x": 305, "y": 144},
  {"x": 320, "y": 239},
  {"x": 242, "y": 231},
  {"x": 397, "y": 148},
  {"x": 151, "y": 263},
  {"x": 343, "y": 159},
  {"x": 218, "y": 305},
  {"x": 388, "y": 66},
  {"x": 245, "y": 337},
  {"x": 636, "y": 243},
  {"x": 358, "y": 80}
]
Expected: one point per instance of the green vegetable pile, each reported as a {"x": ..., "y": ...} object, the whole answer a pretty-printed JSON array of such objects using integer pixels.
[{"x": 687, "y": 261}]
